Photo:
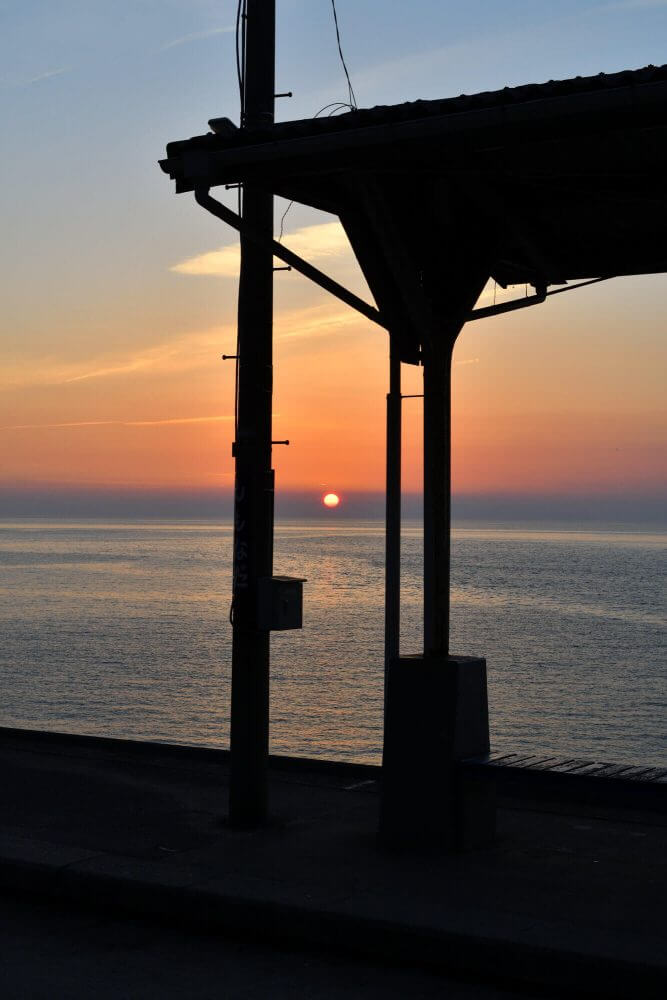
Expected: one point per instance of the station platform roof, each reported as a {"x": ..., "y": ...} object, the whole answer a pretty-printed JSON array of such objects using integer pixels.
[{"x": 540, "y": 184}]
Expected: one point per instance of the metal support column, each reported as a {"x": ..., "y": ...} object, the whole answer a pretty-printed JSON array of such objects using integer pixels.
[
  {"x": 253, "y": 501},
  {"x": 437, "y": 494},
  {"x": 392, "y": 585}
]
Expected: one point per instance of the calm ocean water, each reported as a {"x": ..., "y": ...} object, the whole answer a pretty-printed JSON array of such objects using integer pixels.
[{"x": 122, "y": 629}]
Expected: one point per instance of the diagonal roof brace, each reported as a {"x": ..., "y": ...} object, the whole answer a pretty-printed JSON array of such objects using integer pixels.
[
  {"x": 541, "y": 294},
  {"x": 234, "y": 220}
]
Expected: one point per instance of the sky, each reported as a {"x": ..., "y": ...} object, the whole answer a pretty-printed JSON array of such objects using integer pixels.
[{"x": 119, "y": 297}]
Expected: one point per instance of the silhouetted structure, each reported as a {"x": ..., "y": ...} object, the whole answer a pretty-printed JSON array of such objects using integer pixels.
[{"x": 536, "y": 185}]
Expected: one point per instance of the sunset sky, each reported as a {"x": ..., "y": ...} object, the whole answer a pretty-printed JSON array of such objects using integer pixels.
[{"x": 119, "y": 297}]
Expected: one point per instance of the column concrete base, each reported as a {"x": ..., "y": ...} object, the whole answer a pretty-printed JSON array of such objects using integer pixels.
[{"x": 436, "y": 713}]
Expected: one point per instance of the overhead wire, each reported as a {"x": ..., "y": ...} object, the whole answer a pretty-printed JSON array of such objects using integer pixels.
[
  {"x": 336, "y": 106},
  {"x": 350, "y": 88},
  {"x": 240, "y": 50}
]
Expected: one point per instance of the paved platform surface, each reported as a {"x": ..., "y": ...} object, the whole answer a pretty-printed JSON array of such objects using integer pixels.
[
  {"x": 50, "y": 950},
  {"x": 569, "y": 898}
]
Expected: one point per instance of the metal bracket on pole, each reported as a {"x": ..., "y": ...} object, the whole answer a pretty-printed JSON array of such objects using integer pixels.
[
  {"x": 504, "y": 307},
  {"x": 541, "y": 294}
]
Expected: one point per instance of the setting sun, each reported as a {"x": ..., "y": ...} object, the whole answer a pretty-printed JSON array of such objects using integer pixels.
[{"x": 331, "y": 500}]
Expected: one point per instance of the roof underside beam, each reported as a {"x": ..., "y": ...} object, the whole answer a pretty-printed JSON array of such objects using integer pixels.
[
  {"x": 391, "y": 261},
  {"x": 378, "y": 236}
]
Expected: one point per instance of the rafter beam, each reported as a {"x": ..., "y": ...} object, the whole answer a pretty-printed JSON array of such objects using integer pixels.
[{"x": 390, "y": 244}]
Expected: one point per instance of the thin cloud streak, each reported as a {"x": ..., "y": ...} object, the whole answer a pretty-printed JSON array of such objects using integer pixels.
[
  {"x": 325, "y": 239},
  {"x": 48, "y": 75},
  {"x": 309, "y": 324},
  {"x": 186, "y": 353},
  {"x": 179, "y": 420},
  {"x": 190, "y": 352},
  {"x": 121, "y": 423}
]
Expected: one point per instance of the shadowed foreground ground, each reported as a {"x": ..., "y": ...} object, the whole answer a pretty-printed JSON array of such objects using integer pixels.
[
  {"x": 570, "y": 897},
  {"x": 53, "y": 951}
]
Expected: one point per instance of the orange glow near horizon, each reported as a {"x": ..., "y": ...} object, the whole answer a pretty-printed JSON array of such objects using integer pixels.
[
  {"x": 546, "y": 401},
  {"x": 114, "y": 321}
]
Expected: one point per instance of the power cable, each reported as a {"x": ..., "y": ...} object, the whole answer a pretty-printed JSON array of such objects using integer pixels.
[
  {"x": 282, "y": 222},
  {"x": 350, "y": 89},
  {"x": 240, "y": 50},
  {"x": 336, "y": 107}
]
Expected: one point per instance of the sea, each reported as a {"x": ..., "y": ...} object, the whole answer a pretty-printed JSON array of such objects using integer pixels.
[{"x": 121, "y": 628}]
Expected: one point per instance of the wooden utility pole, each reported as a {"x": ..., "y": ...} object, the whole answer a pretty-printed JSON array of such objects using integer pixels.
[{"x": 253, "y": 498}]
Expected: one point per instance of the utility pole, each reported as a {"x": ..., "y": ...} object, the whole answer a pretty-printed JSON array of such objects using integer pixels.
[{"x": 253, "y": 496}]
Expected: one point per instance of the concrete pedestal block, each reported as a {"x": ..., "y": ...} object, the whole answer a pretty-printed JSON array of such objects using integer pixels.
[{"x": 436, "y": 713}]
